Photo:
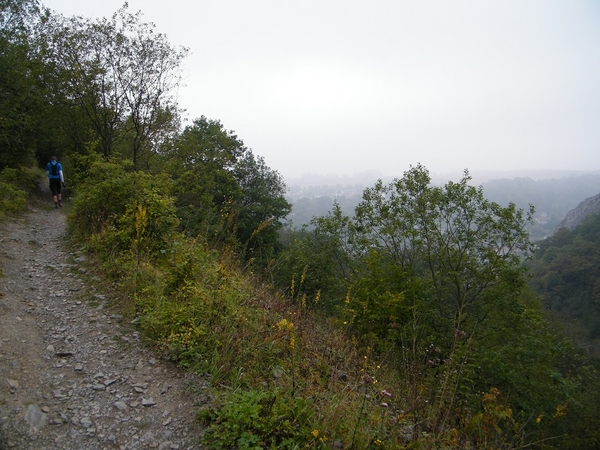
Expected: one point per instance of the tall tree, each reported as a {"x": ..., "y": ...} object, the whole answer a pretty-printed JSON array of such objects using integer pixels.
[
  {"x": 467, "y": 248},
  {"x": 261, "y": 205},
  {"x": 201, "y": 161},
  {"x": 119, "y": 73},
  {"x": 223, "y": 190},
  {"x": 18, "y": 96}
]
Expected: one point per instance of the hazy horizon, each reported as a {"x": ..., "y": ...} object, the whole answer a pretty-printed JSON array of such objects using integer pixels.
[
  {"x": 478, "y": 177},
  {"x": 346, "y": 87}
]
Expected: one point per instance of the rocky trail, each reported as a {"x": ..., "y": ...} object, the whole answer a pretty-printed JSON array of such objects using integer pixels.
[{"x": 73, "y": 374}]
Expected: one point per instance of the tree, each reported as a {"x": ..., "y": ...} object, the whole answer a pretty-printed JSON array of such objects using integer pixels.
[
  {"x": 261, "y": 205},
  {"x": 18, "y": 96},
  {"x": 149, "y": 76},
  {"x": 466, "y": 250},
  {"x": 119, "y": 73},
  {"x": 201, "y": 161},
  {"x": 223, "y": 190}
]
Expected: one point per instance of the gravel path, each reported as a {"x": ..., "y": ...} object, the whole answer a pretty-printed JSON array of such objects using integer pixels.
[{"x": 72, "y": 375}]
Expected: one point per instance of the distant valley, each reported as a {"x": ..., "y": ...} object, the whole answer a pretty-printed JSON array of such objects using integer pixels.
[{"x": 553, "y": 193}]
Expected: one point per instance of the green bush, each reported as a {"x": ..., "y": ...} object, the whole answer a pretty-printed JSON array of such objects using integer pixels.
[
  {"x": 118, "y": 210},
  {"x": 15, "y": 185},
  {"x": 12, "y": 200},
  {"x": 261, "y": 420}
]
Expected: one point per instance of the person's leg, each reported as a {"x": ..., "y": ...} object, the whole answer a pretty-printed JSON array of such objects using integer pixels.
[{"x": 54, "y": 193}]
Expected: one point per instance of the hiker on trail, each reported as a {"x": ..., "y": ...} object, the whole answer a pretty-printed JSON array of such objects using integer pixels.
[{"x": 57, "y": 181}]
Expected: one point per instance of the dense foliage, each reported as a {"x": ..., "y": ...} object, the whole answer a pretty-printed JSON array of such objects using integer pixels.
[
  {"x": 20, "y": 100},
  {"x": 223, "y": 191},
  {"x": 408, "y": 325},
  {"x": 567, "y": 277}
]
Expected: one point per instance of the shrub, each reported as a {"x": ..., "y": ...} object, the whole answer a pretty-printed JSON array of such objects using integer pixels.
[
  {"x": 261, "y": 420},
  {"x": 118, "y": 210},
  {"x": 12, "y": 195},
  {"x": 12, "y": 200}
]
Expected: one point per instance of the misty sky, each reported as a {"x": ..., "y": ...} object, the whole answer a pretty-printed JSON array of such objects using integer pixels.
[{"x": 350, "y": 86}]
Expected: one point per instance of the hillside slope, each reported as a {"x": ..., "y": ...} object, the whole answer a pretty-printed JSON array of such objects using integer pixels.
[
  {"x": 566, "y": 274},
  {"x": 576, "y": 216}
]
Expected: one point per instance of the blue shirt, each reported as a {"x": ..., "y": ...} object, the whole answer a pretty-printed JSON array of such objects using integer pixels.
[{"x": 49, "y": 168}]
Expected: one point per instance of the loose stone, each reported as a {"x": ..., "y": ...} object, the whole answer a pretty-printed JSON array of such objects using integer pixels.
[
  {"x": 148, "y": 402},
  {"x": 120, "y": 405}
]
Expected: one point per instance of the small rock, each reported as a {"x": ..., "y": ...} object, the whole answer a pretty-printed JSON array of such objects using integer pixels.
[
  {"x": 14, "y": 384},
  {"x": 85, "y": 422},
  {"x": 78, "y": 367},
  {"x": 98, "y": 387},
  {"x": 59, "y": 394},
  {"x": 50, "y": 348},
  {"x": 121, "y": 406},
  {"x": 148, "y": 402},
  {"x": 35, "y": 417}
]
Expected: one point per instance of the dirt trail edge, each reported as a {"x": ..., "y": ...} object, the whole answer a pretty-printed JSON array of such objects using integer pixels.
[{"x": 72, "y": 376}]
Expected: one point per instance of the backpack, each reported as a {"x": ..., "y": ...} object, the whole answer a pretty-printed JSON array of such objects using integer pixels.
[{"x": 54, "y": 169}]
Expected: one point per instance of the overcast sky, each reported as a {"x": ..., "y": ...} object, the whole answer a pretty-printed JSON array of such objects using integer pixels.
[{"x": 343, "y": 87}]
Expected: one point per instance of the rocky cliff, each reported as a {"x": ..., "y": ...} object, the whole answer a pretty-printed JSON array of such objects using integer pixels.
[{"x": 576, "y": 216}]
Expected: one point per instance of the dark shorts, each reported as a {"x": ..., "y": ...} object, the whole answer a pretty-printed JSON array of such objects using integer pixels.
[{"x": 55, "y": 186}]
